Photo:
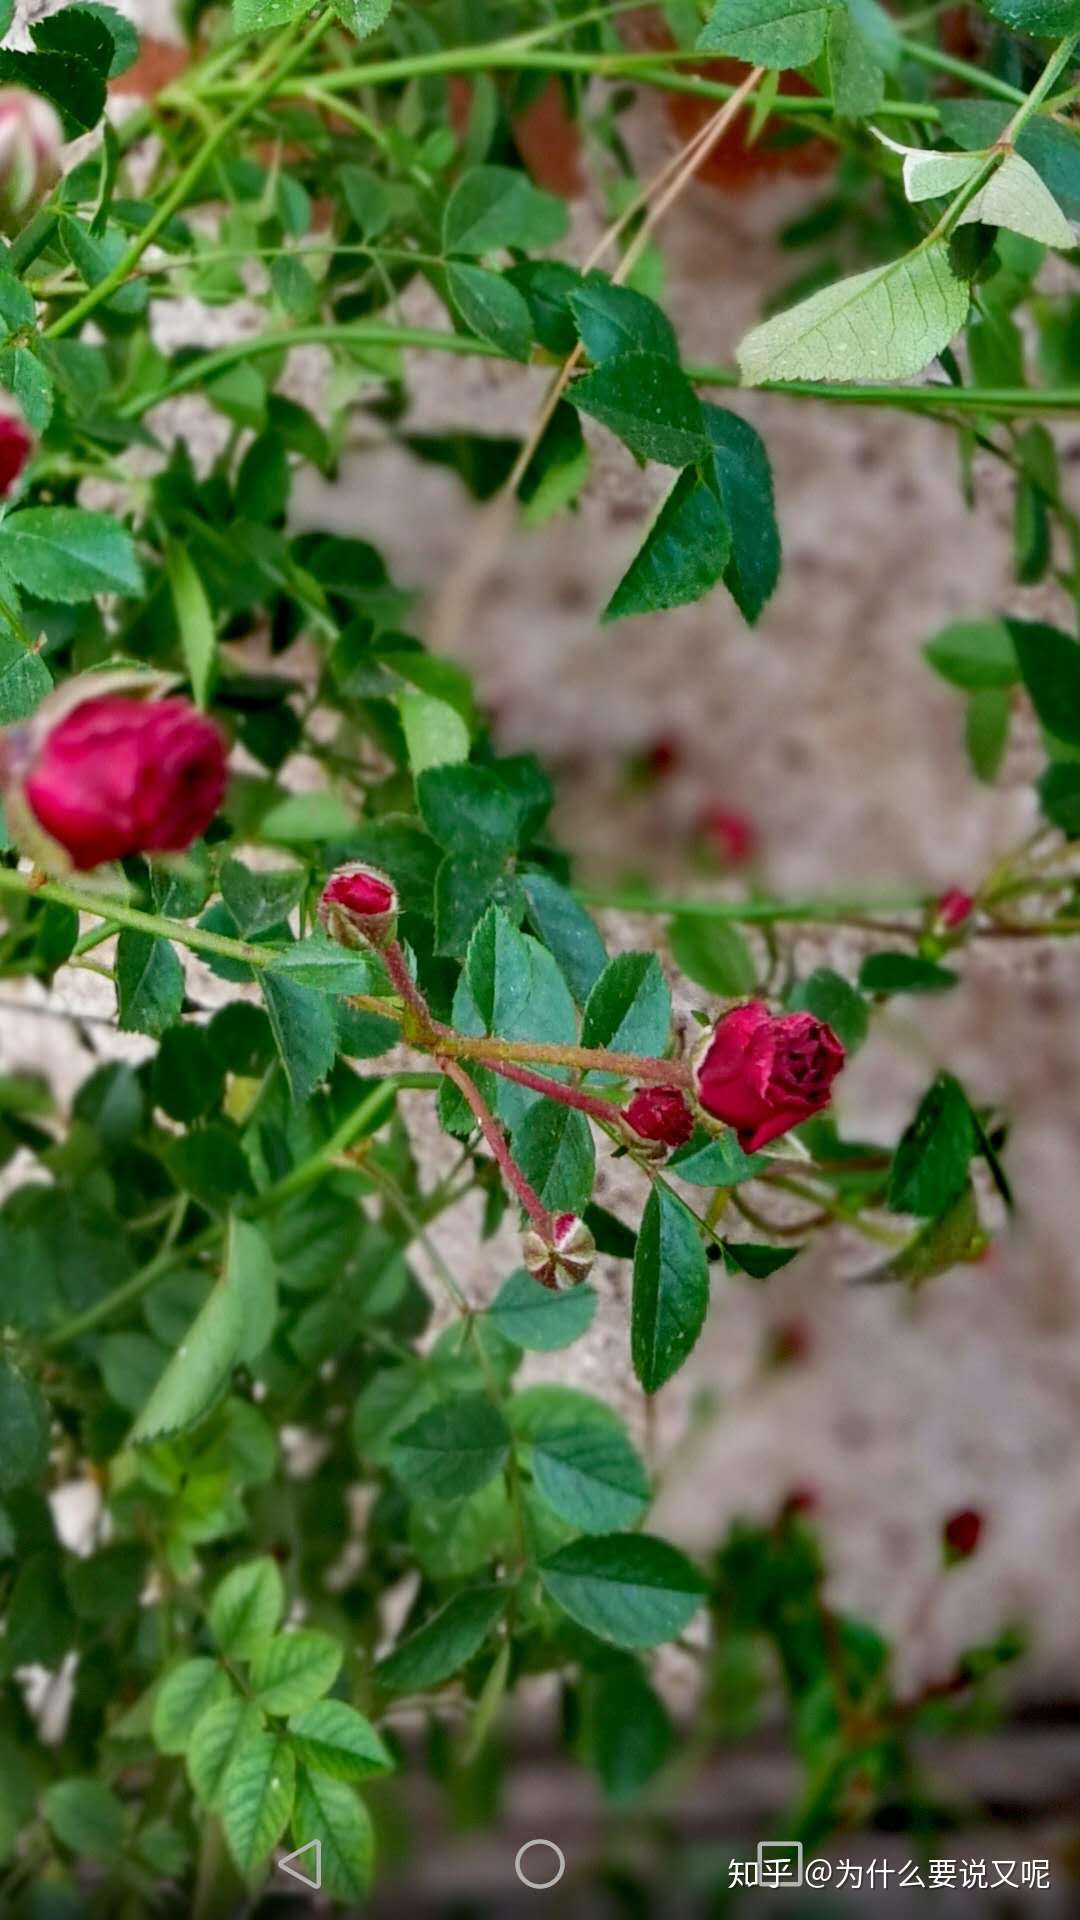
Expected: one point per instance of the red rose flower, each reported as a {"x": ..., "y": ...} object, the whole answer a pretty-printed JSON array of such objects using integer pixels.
[
  {"x": 16, "y": 444},
  {"x": 954, "y": 907},
  {"x": 763, "y": 1073},
  {"x": 660, "y": 1114},
  {"x": 729, "y": 835},
  {"x": 359, "y": 906},
  {"x": 961, "y": 1533},
  {"x": 118, "y": 776}
]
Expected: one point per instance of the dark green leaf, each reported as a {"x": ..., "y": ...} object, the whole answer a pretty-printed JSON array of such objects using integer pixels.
[
  {"x": 715, "y": 1163},
  {"x": 713, "y": 953},
  {"x": 539, "y": 1318},
  {"x": 930, "y": 1166},
  {"x": 149, "y": 983},
  {"x": 629, "y": 1008},
  {"x": 1059, "y": 797},
  {"x": 904, "y": 973},
  {"x": 649, "y": 403},
  {"x": 468, "y": 810},
  {"x": 492, "y": 308},
  {"x": 75, "y": 87},
  {"x": 630, "y": 1589},
  {"x": 24, "y": 1428},
  {"x": 1049, "y": 664},
  {"x": 742, "y": 476},
  {"x": 671, "y": 1289},
  {"x": 614, "y": 320},
  {"x": 67, "y": 554},
  {"x": 768, "y": 33},
  {"x": 451, "y": 1450},
  {"x": 568, "y": 930},
  {"x": 322, "y": 965},
  {"x": 246, "y": 1608},
  {"x": 683, "y": 555},
  {"x": 632, "y": 1734},
  {"x": 444, "y": 1644},
  {"x": 304, "y": 1029},
  {"x": 829, "y": 997},
  {"x": 553, "y": 1146},
  {"x": 86, "y": 1817},
  {"x": 494, "y": 207},
  {"x": 583, "y": 1463}
]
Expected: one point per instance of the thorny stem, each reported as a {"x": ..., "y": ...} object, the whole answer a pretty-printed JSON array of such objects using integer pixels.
[
  {"x": 629, "y": 1066},
  {"x": 496, "y": 1140},
  {"x": 605, "y": 1111}
]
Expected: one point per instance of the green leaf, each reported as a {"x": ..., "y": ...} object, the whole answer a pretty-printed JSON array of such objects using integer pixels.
[
  {"x": 974, "y": 654},
  {"x": 768, "y": 33},
  {"x": 930, "y": 1166},
  {"x": 1059, "y": 797},
  {"x": 941, "y": 1244},
  {"x": 24, "y": 680},
  {"x": 856, "y": 77},
  {"x": 322, "y": 965},
  {"x": 216, "y": 1737},
  {"x": 1049, "y": 663},
  {"x": 305, "y": 1032},
  {"x": 885, "y": 324},
  {"x": 1049, "y": 145},
  {"x": 257, "y": 1797},
  {"x": 75, "y": 86},
  {"x": 684, "y": 552},
  {"x": 829, "y": 997},
  {"x": 22, "y": 374},
  {"x": 556, "y": 475},
  {"x": 445, "y": 1643},
  {"x": 1048, "y": 18},
  {"x": 583, "y": 1463},
  {"x": 629, "y": 1008},
  {"x": 198, "y": 637},
  {"x": 495, "y": 207},
  {"x": 24, "y": 1428},
  {"x": 632, "y": 1734},
  {"x": 671, "y": 1289},
  {"x": 452, "y": 1449},
  {"x": 627, "y": 1588},
  {"x": 258, "y": 16},
  {"x": 185, "y": 1694},
  {"x": 986, "y": 730},
  {"x": 539, "y": 1318},
  {"x": 86, "y": 1817},
  {"x": 904, "y": 973},
  {"x": 468, "y": 810},
  {"x": 246, "y": 1608},
  {"x": 124, "y": 37},
  {"x": 759, "y": 1262},
  {"x": 307, "y": 816},
  {"x": 233, "y": 1326},
  {"x": 646, "y": 400},
  {"x": 330, "y": 1737},
  {"x": 568, "y": 930},
  {"x": 66, "y": 554},
  {"x": 259, "y": 901},
  {"x": 713, "y": 953},
  {"x": 1013, "y": 197},
  {"x": 614, "y": 320},
  {"x": 553, "y": 1147},
  {"x": 293, "y": 1670},
  {"x": 330, "y": 1812},
  {"x": 78, "y": 33},
  {"x": 491, "y": 308},
  {"x": 435, "y": 733},
  {"x": 363, "y": 17},
  {"x": 742, "y": 476},
  {"x": 149, "y": 983}
]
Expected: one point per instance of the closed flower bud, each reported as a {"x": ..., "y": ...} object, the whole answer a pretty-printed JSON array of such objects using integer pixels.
[
  {"x": 763, "y": 1073},
  {"x": 661, "y": 1116},
  {"x": 961, "y": 1534},
  {"x": 359, "y": 907},
  {"x": 30, "y": 141},
  {"x": 954, "y": 907},
  {"x": 564, "y": 1260},
  {"x": 728, "y": 835},
  {"x": 16, "y": 443},
  {"x": 108, "y": 776}
]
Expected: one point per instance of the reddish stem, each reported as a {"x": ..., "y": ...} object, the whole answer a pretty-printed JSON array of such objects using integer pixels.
[
  {"x": 496, "y": 1139},
  {"x": 398, "y": 969},
  {"x": 605, "y": 1111},
  {"x": 493, "y": 1050}
]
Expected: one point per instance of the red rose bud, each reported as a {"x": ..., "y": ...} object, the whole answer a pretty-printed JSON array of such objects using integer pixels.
[
  {"x": 763, "y": 1073},
  {"x": 30, "y": 141},
  {"x": 359, "y": 907},
  {"x": 566, "y": 1259},
  {"x": 799, "y": 1500},
  {"x": 16, "y": 443},
  {"x": 954, "y": 907},
  {"x": 730, "y": 835},
  {"x": 117, "y": 776},
  {"x": 660, "y": 1115},
  {"x": 663, "y": 758},
  {"x": 961, "y": 1534},
  {"x": 789, "y": 1341}
]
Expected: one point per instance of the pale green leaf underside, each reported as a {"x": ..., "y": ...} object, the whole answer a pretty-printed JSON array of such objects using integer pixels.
[
  {"x": 1013, "y": 197},
  {"x": 885, "y": 324}
]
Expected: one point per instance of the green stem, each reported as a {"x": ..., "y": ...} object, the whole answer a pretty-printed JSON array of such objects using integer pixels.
[
  {"x": 291, "y": 53},
  {"x": 199, "y": 939},
  {"x": 755, "y": 912}
]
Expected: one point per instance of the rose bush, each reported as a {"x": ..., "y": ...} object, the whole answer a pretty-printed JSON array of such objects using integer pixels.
[{"x": 329, "y": 1505}]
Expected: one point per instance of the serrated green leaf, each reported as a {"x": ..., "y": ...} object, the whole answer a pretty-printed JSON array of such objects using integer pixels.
[
  {"x": 330, "y": 1737},
  {"x": 68, "y": 554},
  {"x": 614, "y": 320},
  {"x": 671, "y": 1289},
  {"x": 75, "y": 86},
  {"x": 186, "y": 1693},
  {"x": 322, "y": 965},
  {"x": 452, "y": 1449},
  {"x": 216, "y": 1737},
  {"x": 629, "y": 1008},
  {"x": 553, "y": 1147},
  {"x": 539, "y": 1318},
  {"x": 628, "y": 1588},
  {"x": 23, "y": 375},
  {"x": 304, "y": 1029},
  {"x": 683, "y": 555},
  {"x": 293, "y": 1670},
  {"x": 742, "y": 476},
  {"x": 363, "y": 17},
  {"x": 583, "y": 1463},
  {"x": 885, "y": 324},
  {"x": 856, "y": 75},
  {"x": 768, "y": 33},
  {"x": 495, "y": 207},
  {"x": 258, "y": 16},
  {"x": 491, "y": 307},
  {"x": 149, "y": 983},
  {"x": 435, "y": 733},
  {"x": 257, "y": 1797},
  {"x": 1050, "y": 18},
  {"x": 930, "y": 1166},
  {"x": 246, "y": 1609},
  {"x": 445, "y": 1643},
  {"x": 1049, "y": 663},
  {"x": 24, "y": 679},
  {"x": 646, "y": 400},
  {"x": 1013, "y": 197},
  {"x": 331, "y": 1812}
]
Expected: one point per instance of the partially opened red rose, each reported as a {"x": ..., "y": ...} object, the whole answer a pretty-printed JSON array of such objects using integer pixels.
[
  {"x": 763, "y": 1073},
  {"x": 118, "y": 776}
]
